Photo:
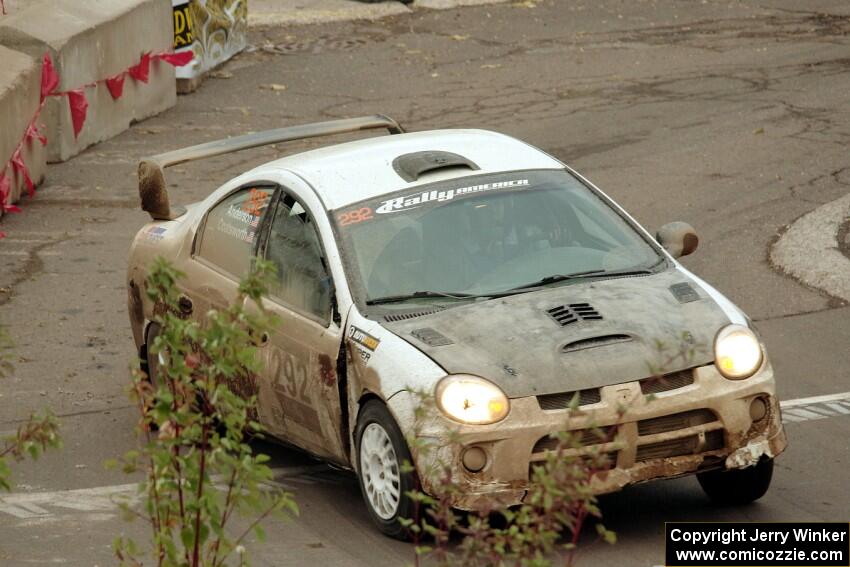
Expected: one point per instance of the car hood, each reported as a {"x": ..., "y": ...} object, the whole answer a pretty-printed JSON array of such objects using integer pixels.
[{"x": 610, "y": 332}]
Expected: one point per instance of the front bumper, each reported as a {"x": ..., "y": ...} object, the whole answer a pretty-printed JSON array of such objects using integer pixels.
[{"x": 703, "y": 425}]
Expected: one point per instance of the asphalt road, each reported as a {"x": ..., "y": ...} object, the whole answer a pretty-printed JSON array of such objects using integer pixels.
[{"x": 733, "y": 116}]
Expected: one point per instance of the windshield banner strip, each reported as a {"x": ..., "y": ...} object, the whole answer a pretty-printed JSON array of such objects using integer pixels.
[
  {"x": 415, "y": 200},
  {"x": 410, "y": 201}
]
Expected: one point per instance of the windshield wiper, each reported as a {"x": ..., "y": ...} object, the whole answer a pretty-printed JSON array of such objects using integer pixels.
[
  {"x": 588, "y": 274},
  {"x": 512, "y": 291},
  {"x": 559, "y": 278},
  {"x": 417, "y": 295}
]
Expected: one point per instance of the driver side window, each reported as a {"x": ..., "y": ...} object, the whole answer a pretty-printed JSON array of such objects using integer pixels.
[{"x": 293, "y": 246}]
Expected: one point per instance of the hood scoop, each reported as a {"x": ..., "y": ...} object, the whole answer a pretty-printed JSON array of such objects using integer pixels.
[
  {"x": 594, "y": 342},
  {"x": 684, "y": 292},
  {"x": 404, "y": 316},
  {"x": 432, "y": 337},
  {"x": 563, "y": 315}
]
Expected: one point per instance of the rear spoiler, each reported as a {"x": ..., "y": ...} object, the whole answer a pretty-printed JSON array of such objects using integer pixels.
[{"x": 152, "y": 188}]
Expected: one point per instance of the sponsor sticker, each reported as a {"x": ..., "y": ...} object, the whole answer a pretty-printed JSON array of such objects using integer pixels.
[
  {"x": 240, "y": 214},
  {"x": 366, "y": 343},
  {"x": 363, "y": 338},
  {"x": 256, "y": 202},
  {"x": 243, "y": 234},
  {"x": 155, "y": 233}
]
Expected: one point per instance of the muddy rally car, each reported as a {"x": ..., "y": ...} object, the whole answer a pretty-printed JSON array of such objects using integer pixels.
[{"x": 480, "y": 270}]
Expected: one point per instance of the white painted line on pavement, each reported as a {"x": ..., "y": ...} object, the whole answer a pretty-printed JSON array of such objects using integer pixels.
[
  {"x": 815, "y": 407},
  {"x": 839, "y": 408},
  {"x": 25, "y": 505},
  {"x": 787, "y": 404}
]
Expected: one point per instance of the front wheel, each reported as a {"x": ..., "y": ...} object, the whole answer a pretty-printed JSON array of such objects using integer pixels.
[
  {"x": 381, "y": 452},
  {"x": 739, "y": 486}
]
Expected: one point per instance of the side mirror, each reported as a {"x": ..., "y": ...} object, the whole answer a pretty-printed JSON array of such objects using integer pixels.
[{"x": 678, "y": 238}]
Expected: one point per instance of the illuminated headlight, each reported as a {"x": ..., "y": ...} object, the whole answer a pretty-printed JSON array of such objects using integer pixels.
[
  {"x": 737, "y": 352},
  {"x": 470, "y": 399}
]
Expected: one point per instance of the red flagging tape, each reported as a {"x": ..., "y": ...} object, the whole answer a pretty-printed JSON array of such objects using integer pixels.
[
  {"x": 77, "y": 97},
  {"x": 176, "y": 59},
  {"x": 49, "y": 77},
  {"x": 141, "y": 70},
  {"x": 115, "y": 85},
  {"x": 79, "y": 108}
]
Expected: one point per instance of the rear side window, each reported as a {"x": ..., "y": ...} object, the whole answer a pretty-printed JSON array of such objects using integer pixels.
[{"x": 231, "y": 229}]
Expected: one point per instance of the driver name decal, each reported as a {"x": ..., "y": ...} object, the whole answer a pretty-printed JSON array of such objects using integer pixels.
[{"x": 413, "y": 201}]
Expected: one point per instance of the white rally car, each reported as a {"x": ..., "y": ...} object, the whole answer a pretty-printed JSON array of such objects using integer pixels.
[{"x": 475, "y": 267}]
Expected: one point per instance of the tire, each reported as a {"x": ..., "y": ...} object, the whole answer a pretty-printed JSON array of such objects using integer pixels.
[
  {"x": 381, "y": 451},
  {"x": 737, "y": 487},
  {"x": 152, "y": 359}
]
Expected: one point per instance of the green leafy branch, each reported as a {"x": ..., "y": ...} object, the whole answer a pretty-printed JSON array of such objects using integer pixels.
[{"x": 197, "y": 415}]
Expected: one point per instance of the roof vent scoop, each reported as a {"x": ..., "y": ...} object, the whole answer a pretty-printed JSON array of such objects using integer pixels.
[{"x": 410, "y": 167}]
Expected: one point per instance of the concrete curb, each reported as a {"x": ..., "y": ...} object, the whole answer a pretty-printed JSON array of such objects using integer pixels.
[
  {"x": 809, "y": 250},
  {"x": 20, "y": 83},
  {"x": 90, "y": 40}
]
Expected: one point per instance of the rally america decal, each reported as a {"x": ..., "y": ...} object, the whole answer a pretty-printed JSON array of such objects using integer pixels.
[
  {"x": 366, "y": 343},
  {"x": 415, "y": 200}
]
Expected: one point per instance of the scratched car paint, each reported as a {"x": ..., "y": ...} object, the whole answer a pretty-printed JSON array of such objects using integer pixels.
[{"x": 477, "y": 269}]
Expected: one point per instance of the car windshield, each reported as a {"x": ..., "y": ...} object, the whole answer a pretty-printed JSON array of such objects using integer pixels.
[{"x": 485, "y": 235}]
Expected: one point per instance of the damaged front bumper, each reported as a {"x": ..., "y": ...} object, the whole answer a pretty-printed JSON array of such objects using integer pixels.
[{"x": 707, "y": 424}]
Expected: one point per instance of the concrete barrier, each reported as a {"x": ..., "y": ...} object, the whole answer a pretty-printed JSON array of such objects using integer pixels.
[
  {"x": 90, "y": 40},
  {"x": 20, "y": 82}
]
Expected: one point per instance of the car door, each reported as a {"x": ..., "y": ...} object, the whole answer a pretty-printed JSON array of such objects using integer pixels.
[
  {"x": 224, "y": 247},
  {"x": 300, "y": 390}
]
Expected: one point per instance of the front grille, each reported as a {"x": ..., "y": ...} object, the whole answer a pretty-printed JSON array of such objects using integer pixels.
[
  {"x": 675, "y": 421},
  {"x": 582, "y": 437},
  {"x": 608, "y": 462},
  {"x": 562, "y": 401},
  {"x": 566, "y": 314},
  {"x": 678, "y": 447},
  {"x": 667, "y": 382}
]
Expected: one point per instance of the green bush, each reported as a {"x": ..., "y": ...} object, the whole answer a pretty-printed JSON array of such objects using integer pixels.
[{"x": 199, "y": 469}]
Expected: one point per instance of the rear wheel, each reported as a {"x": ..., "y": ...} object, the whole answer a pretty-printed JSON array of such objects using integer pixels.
[
  {"x": 381, "y": 452},
  {"x": 739, "y": 486},
  {"x": 152, "y": 359}
]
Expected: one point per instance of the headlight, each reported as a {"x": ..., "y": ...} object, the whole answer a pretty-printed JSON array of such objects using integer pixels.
[
  {"x": 470, "y": 399},
  {"x": 737, "y": 352}
]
